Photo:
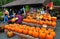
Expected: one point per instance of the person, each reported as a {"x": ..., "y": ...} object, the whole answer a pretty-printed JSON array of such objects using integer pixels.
[
  {"x": 6, "y": 14},
  {"x": 42, "y": 11},
  {"x": 5, "y": 18},
  {"x": 19, "y": 12},
  {"x": 19, "y": 19}
]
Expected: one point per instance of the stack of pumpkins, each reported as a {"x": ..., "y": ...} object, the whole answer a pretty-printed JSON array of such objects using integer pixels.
[
  {"x": 44, "y": 19},
  {"x": 36, "y": 32}
]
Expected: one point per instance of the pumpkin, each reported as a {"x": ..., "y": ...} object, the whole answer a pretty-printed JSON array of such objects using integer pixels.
[
  {"x": 53, "y": 34},
  {"x": 37, "y": 29},
  {"x": 29, "y": 17},
  {"x": 41, "y": 22},
  {"x": 49, "y": 23},
  {"x": 49, "y": 18},
  {"x": 42, "y": 35},
  {"x": 32, "y": 28},
  {"x": 10, "y": 34},
  {"x": 49, "y": 36},
  {"x": 20, "y": 30},
  {"x": 50, "y": 30},
  {"x": 43, "y": 29},
  {"x": 35, "y": 34},
  {"x": 45, "y": 22},
  {"x": 53, "y": 24},
  {"x": 46, "y": 32},
  {"x": 53, "y": 19},
  {"x": 25, "y": 31},
  {"x": 30, "y": 32},
  {"x": 28, "y": 27}
]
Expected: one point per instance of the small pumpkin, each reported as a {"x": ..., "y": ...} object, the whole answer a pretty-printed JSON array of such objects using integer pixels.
[
  {"x": 43, "y": 29},
  {"x": 53, "y": 24},
  {"x": 49, "y": 23},
  {"x": 53, "y": 19},
  {"x": 41, "y": 22},
  {"x": 10, "y": 34}
]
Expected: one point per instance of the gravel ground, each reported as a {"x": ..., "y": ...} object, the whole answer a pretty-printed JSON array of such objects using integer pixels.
[{"x": 57, "y": 30}]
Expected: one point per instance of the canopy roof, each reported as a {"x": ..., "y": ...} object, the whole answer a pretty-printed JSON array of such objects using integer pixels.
[{"x": 24, "y": 2}]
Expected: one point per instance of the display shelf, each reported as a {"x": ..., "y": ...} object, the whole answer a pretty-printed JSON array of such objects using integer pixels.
[{"x": 37, "y": 25}]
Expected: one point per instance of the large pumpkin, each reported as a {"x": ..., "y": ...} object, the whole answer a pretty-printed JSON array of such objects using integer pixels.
[
  {"x": 53, "y": 34},
  {"x": 49, "y": 36},
  {"x": 25, "y": 31},
  {"x": 10, "y": 34},
  {"x": 35, "y": 34},
  {"x": 30, "y": 32},
  {"x": 42, "y": 35}
]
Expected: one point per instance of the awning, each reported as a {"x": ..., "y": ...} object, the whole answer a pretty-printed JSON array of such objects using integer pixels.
[{"x": 24, "y": 2}]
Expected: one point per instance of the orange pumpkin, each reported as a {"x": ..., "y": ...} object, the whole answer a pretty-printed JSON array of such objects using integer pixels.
[
  {"x": 29, "y": 17},
  {"x": 46, "y": 32},
  {"x": 41, "y": 22},
  {"x": 53, "y": 19},
  {"x": 53, "y": 24},
  {"x": 53, "y": 34},
  {"x": 25, "y": 31},
  {"x": 49, "y": 23},
  {"x": 20, "y": 30},
  {"x": 49, "y": 36},
  {"x": 32, "y": 28},
  {"x": 50, "y": 30},
  {"x": 43, "y": 29},
  {"x": 42, "y": 35},
  {"x": 37, "y": 29},
  {"x": 45, "y": 18},
  {"x": 30, "y": 32},
  {"x": 35, "y": 34},
  {"x": 28, "y": 27},
  {"x": 46, "y": 21}
]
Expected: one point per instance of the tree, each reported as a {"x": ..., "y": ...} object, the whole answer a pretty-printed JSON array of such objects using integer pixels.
[
  {"x": 3, "y": 2},
  {"x": 56, "y": 2}
]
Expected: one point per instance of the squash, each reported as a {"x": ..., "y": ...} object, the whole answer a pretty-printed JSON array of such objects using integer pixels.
[{"x": 13, "y": 20}]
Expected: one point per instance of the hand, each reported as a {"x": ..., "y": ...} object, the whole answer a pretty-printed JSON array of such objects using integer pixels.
[{"x": 8, "y": 16}]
